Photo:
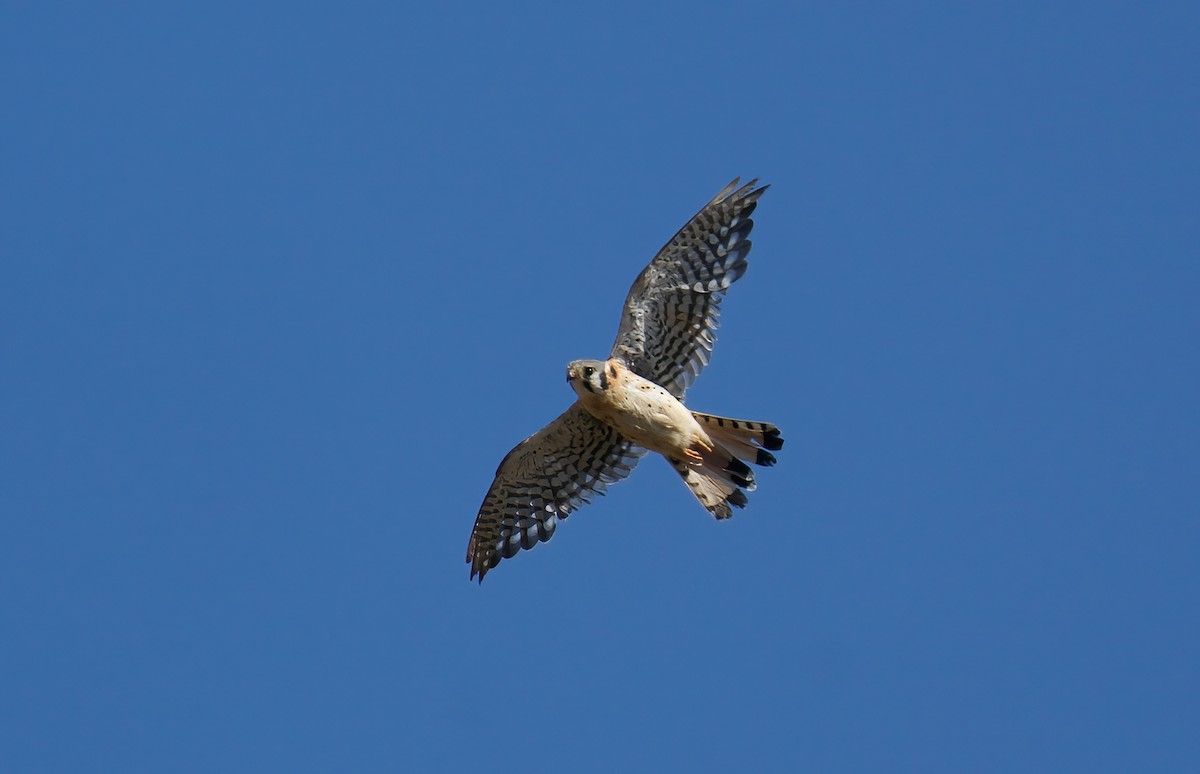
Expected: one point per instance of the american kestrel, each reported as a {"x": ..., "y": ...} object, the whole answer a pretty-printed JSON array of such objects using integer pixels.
[{"x": 633, "y": 402}]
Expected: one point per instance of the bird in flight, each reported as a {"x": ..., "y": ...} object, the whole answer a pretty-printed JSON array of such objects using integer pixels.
[{"x": 633, "y": 402}]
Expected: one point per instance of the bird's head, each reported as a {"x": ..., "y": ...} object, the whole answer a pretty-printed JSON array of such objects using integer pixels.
[{"x": 589, "y": 376}]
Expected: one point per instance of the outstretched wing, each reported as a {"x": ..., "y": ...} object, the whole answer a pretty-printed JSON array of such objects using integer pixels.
[
  {"x": 543, "y": 479},
  {"x": 670, "y": 317}
]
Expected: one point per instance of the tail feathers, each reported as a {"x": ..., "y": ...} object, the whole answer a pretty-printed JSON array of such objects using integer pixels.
[
  {"x": 715, "y": 489},
  {"x": 720, "y": 478},
  {"x": 752, "y": 441}
]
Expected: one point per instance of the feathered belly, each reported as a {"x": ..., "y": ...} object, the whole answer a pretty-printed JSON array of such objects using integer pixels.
[{"x": 649, "y": 416}]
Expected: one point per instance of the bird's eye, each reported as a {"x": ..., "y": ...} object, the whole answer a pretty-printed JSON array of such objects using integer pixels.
[{"x": 589, "y": 371}]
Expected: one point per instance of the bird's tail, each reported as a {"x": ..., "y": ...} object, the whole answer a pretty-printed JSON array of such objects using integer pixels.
[{"x": 718, "y": 476}]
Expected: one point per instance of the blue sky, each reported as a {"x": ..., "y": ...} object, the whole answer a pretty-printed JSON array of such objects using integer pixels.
[{"x": 282, "y": 284}]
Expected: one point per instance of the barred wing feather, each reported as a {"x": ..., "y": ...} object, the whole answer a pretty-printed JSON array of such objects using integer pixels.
[
  {"x": 542, "y": 480},
  {"x": 668, "y": 325}
]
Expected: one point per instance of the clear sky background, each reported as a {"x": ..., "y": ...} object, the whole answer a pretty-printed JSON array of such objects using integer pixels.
[{"x": 282, "y": 283}]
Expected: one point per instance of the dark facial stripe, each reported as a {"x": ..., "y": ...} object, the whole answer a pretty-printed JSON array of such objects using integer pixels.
[{"x": 603, "y": 380}]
